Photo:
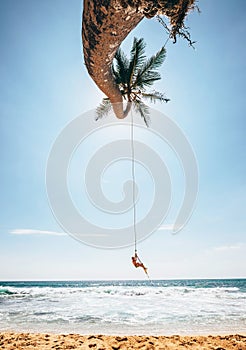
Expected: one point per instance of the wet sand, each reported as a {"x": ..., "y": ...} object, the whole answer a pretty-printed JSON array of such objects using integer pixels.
[{"x": 28, "y": 341}]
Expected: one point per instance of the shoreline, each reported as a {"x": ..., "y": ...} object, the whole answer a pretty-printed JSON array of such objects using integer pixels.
[{"x": 21, "y": 340}]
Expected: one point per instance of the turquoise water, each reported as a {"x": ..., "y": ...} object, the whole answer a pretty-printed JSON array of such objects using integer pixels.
[{"x": 125, "y": 307}]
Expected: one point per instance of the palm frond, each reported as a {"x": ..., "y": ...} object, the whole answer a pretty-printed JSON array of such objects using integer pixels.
[
  {"x": 103, "y": 109},
  {"x": 148, "y": 69},
  {"x": 121, "y": 66},
  {"x": 137, "y": 58},
  {"x": 156, "y": 60},
  {"x": 133, "y": 76},
  {"x": 155, "y": 96},
  {"x": 143, "y": 110},
  {"x": 146, "y": 80},
  {"x": 116, "y": 75}
]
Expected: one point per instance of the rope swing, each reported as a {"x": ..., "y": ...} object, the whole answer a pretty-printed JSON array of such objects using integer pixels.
[{"x": 135, "y": 259}]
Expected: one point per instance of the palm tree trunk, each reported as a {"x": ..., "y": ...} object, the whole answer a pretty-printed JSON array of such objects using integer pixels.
[{"x": 105, "y": 25}]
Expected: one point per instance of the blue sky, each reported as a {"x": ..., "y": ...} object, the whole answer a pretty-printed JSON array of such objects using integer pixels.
[{"x": 44, "y": 85}]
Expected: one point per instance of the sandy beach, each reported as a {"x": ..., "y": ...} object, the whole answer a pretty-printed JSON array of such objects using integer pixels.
[{"x": 11, "y": 341}]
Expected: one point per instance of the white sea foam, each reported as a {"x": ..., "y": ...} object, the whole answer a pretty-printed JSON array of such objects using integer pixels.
[{"x": 117, "y": 308}]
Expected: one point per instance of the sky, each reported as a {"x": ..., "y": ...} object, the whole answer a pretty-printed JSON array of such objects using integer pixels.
[{"x": 44, "y": 85}]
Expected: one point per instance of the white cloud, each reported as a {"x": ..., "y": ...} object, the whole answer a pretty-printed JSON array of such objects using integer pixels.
[
  {"x": 226, "y": 248},
  {"x": 24, "y": 231}
]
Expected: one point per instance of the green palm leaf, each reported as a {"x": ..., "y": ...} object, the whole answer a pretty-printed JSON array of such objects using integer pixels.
[
  {"x": 133, "y": 76},
  {"x": 137, "y": 58},
  {"x": 103, "y": 109},
  {"x": 155, "y": 96},
  {"x": 147, "y": 80},
  {"x": 121, "y": 67},
  {"x": 143, "y": 110},
  {"x": 147, "y": 71}
]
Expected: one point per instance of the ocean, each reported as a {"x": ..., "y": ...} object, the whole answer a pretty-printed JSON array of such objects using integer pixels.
[{"x": 125, "y": 307}]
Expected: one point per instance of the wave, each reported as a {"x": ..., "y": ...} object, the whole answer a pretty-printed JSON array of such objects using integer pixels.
[
  {"x": 130, "y": 306},
  {"x": 87, "y": 319},
  {"x": 137, "y": 291},
  {"x": 5, "y": 291},
  {"x": 43, "y": 313}
]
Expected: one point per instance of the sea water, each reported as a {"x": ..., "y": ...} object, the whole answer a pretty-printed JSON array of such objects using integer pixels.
[{"x": 125, "y": 307}]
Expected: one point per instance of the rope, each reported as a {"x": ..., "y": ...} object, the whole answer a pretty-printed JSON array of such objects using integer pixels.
[
  {"x": 167, "y": 41},
  {"x": 133, "y": 192},
  {"x": 133, "y": 171},
  {"x": 134, "y": 183},
  {"x": 160, "y": 20}
]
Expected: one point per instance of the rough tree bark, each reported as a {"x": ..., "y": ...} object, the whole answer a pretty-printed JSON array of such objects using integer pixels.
[{"x": 106, "y": 23}]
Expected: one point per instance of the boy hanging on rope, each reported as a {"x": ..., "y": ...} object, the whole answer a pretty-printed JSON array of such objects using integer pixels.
[{"x": 138, "y": 263}]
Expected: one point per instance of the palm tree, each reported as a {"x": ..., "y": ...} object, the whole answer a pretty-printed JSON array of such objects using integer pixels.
[{"x": 133, "y": 76}]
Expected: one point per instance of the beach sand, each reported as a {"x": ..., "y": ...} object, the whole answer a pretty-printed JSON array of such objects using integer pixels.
[{"x": 28, "y": 341}]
